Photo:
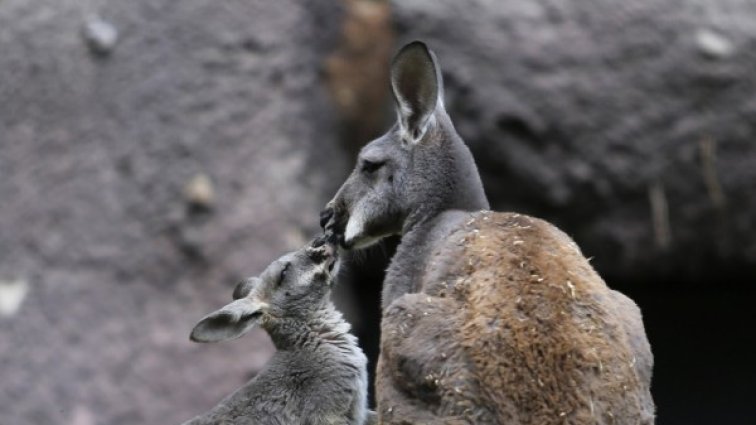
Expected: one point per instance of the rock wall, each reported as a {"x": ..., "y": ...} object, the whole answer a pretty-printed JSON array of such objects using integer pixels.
[
  {"x": 152, "y": 153},
  {"x": 628, "y": 124}
]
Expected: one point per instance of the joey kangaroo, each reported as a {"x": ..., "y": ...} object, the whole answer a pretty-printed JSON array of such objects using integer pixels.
[
  {"x": 487, "y": 317},
  {"x": 318, "y": 374}
]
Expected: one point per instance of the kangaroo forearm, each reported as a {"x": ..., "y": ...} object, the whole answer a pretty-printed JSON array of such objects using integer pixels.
[{"x": 404, "y": 411}]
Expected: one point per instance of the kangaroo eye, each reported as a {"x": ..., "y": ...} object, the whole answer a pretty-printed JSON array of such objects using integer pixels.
[
  {"x": 283, "y": 273},
  {"x": 370, "y": 167}
]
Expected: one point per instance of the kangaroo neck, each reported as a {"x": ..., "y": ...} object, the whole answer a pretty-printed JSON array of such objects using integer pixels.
[
  {"x": 422, "y": 220},
  {"x": 451, "y": 189},
  {"x": 324, "y": 329},
  {"x": 407, "y": 267},
  {"x": 460, "y": 193}
]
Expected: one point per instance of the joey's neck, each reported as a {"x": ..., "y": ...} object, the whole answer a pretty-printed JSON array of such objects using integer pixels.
[{"x": 321, "y": 329}]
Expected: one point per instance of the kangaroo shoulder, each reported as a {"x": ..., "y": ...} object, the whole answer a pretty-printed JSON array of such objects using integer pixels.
[{"x": 487, "y": 242}]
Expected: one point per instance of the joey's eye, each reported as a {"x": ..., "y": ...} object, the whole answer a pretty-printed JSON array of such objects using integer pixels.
[
  {"x": 283, "y": 273},
  {"x": 370, "y": 167}
]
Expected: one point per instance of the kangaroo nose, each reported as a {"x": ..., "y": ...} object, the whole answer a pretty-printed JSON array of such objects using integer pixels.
[{"x": 325, "y": 217}]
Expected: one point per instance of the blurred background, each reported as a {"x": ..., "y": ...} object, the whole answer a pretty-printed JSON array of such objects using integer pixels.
[{"x": 154, "y": 152}]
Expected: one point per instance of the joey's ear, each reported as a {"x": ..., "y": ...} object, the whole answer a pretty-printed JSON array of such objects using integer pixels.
[
  {"x": 230, "y": 322},
  {"x": 417, "y": 87}
]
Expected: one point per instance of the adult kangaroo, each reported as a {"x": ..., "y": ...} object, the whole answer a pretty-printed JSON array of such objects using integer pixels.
[{"x": 487, "y": 317}]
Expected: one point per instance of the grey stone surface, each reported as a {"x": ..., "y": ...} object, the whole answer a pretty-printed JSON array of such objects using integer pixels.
[
  {"x": 137, "y": 186},
  {"x": 118, "y": 249},
  {"x": 629, "y": 124}
]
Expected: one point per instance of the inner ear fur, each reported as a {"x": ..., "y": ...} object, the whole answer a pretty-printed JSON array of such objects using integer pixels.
[
  {"x": 230, "y": 322},
  {"x": 417, "y": 86}
]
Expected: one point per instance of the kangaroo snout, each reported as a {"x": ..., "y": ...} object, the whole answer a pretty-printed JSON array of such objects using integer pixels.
[
  {"x": 333, "y": 222},
  {"x": 325, "y": 216}
]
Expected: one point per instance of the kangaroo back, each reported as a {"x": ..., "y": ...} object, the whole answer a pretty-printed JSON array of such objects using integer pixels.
[{"x": 512, "y": 325}]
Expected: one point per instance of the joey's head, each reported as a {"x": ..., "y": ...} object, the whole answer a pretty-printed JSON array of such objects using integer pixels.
[
  {"x": 295, "y": 286},
  {"x": 418, "y": 169}
]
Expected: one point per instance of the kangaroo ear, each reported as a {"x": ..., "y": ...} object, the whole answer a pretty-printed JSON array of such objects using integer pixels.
[
  {"x": 230, "y": 322},
  {"x": 417, "y": 87}
]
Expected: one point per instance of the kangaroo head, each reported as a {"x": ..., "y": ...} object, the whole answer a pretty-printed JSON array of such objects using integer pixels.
[
  {"x": 294, "y": 286},
  {"x": 419, "y": 168}
]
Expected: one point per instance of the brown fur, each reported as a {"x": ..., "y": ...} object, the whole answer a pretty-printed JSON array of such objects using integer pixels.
[
  {"x": 361, "y": 59},
  {"x": 513, "y": 326}
]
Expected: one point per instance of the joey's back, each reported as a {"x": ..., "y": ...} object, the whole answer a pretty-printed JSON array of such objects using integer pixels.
[{"x": 510, "y": 324}]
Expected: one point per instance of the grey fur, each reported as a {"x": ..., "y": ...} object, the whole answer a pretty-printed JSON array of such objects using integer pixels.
[
  {"x": 419, "y": 181},
  {"x": 318, "y": 374},
  {"x": 419, "y": 178}
]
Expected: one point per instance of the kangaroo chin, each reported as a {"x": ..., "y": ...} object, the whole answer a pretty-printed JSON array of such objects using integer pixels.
[{"x": 355, "y": 235}]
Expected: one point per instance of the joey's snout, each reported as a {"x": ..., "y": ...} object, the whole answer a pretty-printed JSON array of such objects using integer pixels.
[
  {"x": 323, "y": 251},
  {"x": 331, "y": 256}
]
